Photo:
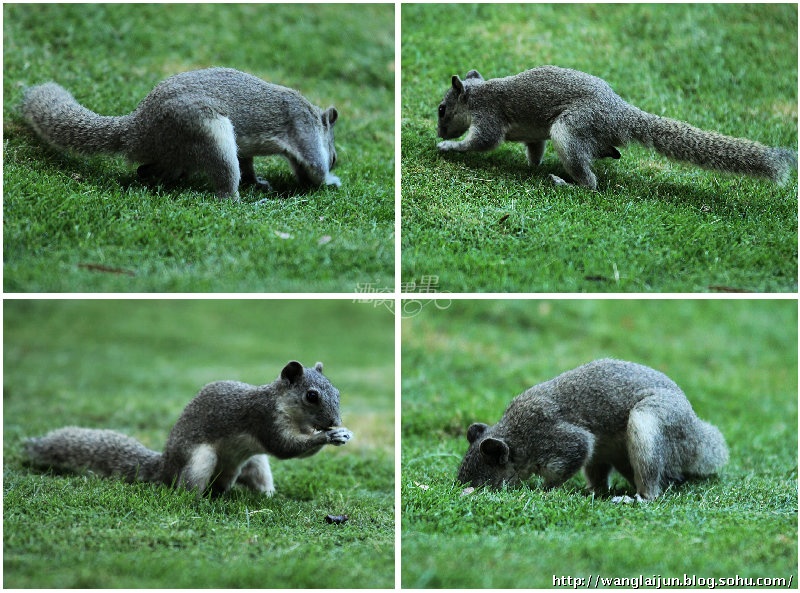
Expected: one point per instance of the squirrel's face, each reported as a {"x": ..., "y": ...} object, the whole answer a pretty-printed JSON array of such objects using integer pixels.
[
  {"x": 455, "y": 117},
  {"x": 329, "y": 117},
  {"x": 316, "y": 399},
  {"x": 488, "y": 460}
]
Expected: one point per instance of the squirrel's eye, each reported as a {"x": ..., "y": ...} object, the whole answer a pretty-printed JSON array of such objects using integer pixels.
[
  {"x": 442, "y": 110},
  {"x": 312, "y": 396}
]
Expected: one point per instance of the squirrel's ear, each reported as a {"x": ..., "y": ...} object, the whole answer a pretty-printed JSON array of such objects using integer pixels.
[
  {"x": 292, "y": 372},
  {"x": 458, "y": 86},
  {"x": 475, "y": 431},
  {"x": 318, "y": 367},
  {"x": 474, "y": 74},
  {"x": 330, "y": 115},
  {"x": 494, "y": 451}
]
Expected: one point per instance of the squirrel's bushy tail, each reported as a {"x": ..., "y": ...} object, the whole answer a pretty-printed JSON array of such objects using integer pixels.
[
  {"x": 59, "y": 119},
  {"x": 710, "y": 452},
  {"x": 104, "y": 452},
  {"x": 711, "y": 150}
]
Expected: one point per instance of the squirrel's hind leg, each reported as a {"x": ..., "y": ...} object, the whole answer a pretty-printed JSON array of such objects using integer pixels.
[
  {"x": 646, "y": 450},
  {"x": 202, "y": 140},
  {"x": 256, "y": 475},
  {"x": 574, "y": 153},
  {"x": 200, "y": 470},
  {"x": 222, "y": 163}
]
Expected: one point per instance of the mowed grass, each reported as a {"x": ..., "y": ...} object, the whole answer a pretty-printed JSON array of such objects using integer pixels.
[
  {"x": 73, "y": 223},
  {"x": 735, "y": 360},
  {"x": 486, "y": 222},
  {"x": 132, "y": 366}
]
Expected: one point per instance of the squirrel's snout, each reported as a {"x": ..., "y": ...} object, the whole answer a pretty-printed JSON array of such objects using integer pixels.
[{"x": 336, "y": 423}]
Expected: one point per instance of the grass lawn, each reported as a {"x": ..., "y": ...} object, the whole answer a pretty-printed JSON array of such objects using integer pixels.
[
  {"x": 73, "y": 223},
  {"x": 132, "y": 366},
  {"x": 735, "y": 359},
  {"x": 489, "y": 223}
]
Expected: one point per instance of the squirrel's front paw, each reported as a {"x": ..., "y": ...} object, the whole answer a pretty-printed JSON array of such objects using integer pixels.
[
  {"x": 262, "y": 184},
  {"x": 339, "y": 436},
  {"x": 628, "y": 499},
  {"x": 446, "y": 145}
]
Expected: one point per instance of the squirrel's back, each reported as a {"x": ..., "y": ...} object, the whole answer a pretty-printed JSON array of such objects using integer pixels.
[
  {"x": 248, "y": 101},
  {"x": 614, "y": 387}
]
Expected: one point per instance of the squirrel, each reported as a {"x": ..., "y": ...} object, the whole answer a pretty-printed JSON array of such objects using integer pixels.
[
  {"x": 585, "y": 120},
  {"x": 602, "y": 415},
  {"x": 211, "y": 121},
  {"x": 222, "y": 437}
]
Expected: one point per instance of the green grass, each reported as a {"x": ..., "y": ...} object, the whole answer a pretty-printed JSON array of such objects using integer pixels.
[
  {"x": 132, "y": 366},
  {"x": 73, "y": 223},
  {"x": 736, "y": 361},
  {"x": 489, "y": 223}
]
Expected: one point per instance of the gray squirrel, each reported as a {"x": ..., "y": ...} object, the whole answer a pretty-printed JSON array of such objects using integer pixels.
[
  {"x": 585, "y": 120},
  {"x": 602, "y": 415},
  {"x": 222, "y": 437},
  {"x": 211, "y": 121}
]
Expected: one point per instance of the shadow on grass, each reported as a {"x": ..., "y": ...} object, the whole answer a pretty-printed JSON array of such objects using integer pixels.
[{"x": 512, "y": 168}]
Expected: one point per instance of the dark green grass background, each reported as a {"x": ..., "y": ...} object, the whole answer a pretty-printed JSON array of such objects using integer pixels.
[
  {"x": 735, "y": 360},
  {"x": 73, "y": 223},
  {"x": 132, "y": 366},
  {"x": 486, "y": 222}
]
